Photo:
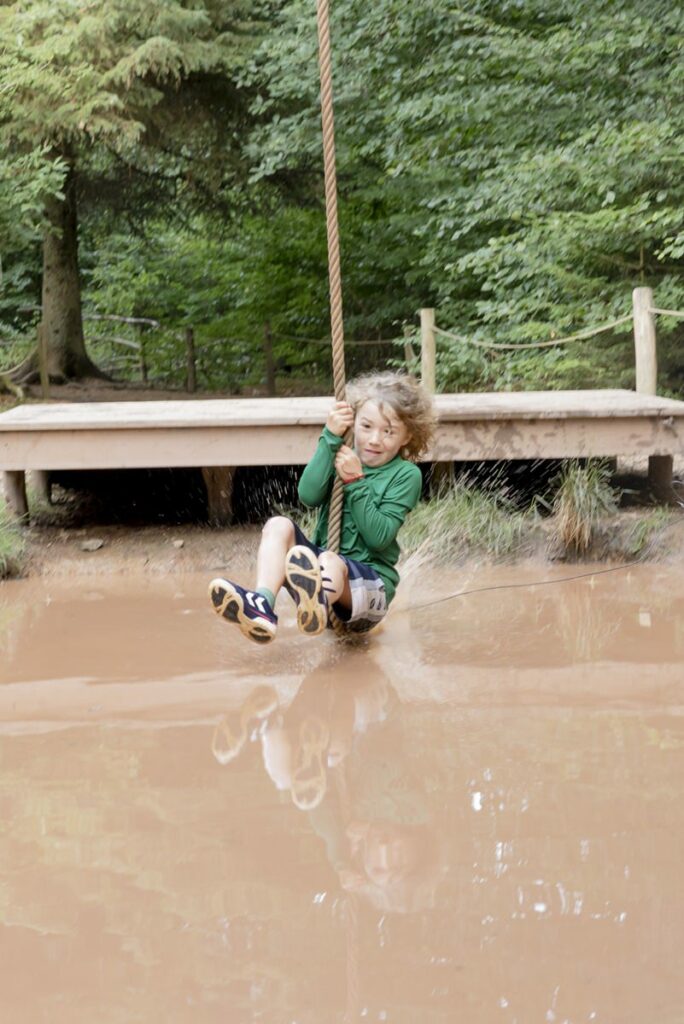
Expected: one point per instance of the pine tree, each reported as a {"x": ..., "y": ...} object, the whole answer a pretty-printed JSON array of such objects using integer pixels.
[{"x": 98, "y": 84}]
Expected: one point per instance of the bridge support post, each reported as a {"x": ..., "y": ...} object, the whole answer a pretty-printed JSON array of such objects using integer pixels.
[
  {"x": 218, "y": 481},
  {"x": 40, "y": 482},
  {"x": 15, "y": 492},
  {"x": 660, "y": 477}
]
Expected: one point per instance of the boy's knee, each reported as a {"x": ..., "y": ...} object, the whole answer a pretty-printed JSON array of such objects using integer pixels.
[
  {"x": 332, "y": 564},
  {"x": 279, "y": 526}
]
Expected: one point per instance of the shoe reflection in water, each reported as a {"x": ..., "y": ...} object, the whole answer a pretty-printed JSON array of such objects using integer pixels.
[{"x": 342, "y": 749}]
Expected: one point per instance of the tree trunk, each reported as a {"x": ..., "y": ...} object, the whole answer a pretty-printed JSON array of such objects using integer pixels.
[{"x": 61, "y": 300}]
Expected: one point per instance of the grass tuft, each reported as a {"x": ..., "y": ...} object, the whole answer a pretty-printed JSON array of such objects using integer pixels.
[
  {"x": 465, "y": 520},
  {"x": 646, "y": 537},
  {"x": 11, "y": 544},
  {"x": 584, "y": 496}
]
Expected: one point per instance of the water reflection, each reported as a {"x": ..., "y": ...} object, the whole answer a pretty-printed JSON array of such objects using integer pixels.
[
  {"x": 483, "y": 862},
  {"x": 413, "y": 833},
  {"x": 343, "y": 751}
]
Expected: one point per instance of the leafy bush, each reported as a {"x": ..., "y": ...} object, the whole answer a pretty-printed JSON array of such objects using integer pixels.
[{"x": 11, "y": 544}]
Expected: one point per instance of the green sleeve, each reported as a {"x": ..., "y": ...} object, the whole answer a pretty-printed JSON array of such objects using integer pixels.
[
  {"x": 378, "y": 520},
  {"x": 316, "y": 481}
]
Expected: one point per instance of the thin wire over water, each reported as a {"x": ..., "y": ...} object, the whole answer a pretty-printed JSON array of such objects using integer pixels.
[{"x": 516, "y": 586}]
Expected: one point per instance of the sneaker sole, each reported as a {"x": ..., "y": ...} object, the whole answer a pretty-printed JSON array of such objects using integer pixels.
[
  {"x": 232, "y": 731},
  {"x": 304, "y": 576},
  {"x": 309, "y": 779},
  {"x": 229, "y": 605}
]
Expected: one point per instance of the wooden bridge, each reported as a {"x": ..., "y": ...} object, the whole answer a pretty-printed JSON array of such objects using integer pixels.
[{"x": 219, "y": 435}]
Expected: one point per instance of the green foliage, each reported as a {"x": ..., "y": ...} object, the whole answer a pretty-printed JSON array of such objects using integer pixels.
[
  {"x": 230, "y": 290},
  {"x": 11, "y": 544},
  {"x": 647, "y": 534},
  {"x": 533, "y": 158},
  {"x": 134, "y": 98},
  {"x": 583, "y": 497},
  {"x": 467, "y": 520},
  {"x": 517, "y": 166},
  {"x": 25, "y": 179},
  {"x": 225, "y": 288},
  {"x": 73, "y": 75}
]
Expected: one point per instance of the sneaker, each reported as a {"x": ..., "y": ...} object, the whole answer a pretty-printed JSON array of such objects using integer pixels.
[
  {"x": 304, "y": 576},
  {"x": 233, "y": 730},
  {"x": 250, "y": 610}
]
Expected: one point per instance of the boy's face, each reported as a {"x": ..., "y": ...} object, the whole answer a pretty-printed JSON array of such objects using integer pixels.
[{"x": 378, "y": 435}]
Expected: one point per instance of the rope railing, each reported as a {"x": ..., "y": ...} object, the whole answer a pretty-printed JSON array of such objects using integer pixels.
[
  {"x": 590, "y": 332},
  {"x": 677, "y": 313}
]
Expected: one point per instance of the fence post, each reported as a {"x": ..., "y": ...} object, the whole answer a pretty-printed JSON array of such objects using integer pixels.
[
  {"x": 191, "y": 380},
  {"x": 645, "y": 351},
  {"x": 427, "y": 348},
  {"x": 442, "y": 473},
  {"x": 143, "y": 362},
  {"x": 268, "y": 359},
  {"x": 645, "y": 341}
]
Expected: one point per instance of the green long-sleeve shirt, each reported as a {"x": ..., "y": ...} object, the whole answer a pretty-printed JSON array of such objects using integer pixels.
[{"x": 373, "y": 511}]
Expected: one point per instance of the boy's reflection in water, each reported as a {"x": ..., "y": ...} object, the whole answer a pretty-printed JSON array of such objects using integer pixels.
[{"x": 342, "y": 749}]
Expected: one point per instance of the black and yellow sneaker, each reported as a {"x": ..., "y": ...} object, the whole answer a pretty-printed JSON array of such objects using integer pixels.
[
  {"x": 247, "y": 608},
  {"x": 303, "y": 574}
]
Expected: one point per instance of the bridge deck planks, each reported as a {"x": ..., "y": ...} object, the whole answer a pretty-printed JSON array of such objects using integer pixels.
[{"x": 269, "y": 431}]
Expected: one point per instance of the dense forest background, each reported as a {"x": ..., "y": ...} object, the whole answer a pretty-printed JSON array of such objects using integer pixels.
[{"x": 515, "y": 164}]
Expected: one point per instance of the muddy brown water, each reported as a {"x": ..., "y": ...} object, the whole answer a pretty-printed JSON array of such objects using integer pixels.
[{"x": 476, "y": 818}]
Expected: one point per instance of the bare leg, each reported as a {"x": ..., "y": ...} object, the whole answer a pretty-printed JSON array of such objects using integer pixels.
[
  {"x": 277, "y": 538},
  {"x": 335, "y": 579}
]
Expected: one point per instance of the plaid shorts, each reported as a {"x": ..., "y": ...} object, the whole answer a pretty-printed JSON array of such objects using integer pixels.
[{"x": 369, "y": 601}]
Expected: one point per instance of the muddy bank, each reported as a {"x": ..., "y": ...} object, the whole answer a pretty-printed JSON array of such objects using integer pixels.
[
  {"x": 167, "y": 550},
  {"x": 54, "y": 551}
]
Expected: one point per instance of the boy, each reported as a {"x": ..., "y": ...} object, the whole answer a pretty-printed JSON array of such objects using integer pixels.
[{"x": 392, "y": 419}]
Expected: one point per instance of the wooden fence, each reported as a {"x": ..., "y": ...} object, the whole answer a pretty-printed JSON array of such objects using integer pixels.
[{"x": 643, "y": 317}]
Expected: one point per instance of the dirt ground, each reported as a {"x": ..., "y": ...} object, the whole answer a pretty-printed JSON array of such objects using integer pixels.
[
  {"x": 119, "y": 550},
  {"x": 116, "y": 550}
]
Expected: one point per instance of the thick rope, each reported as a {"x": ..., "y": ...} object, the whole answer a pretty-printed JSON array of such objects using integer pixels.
[
  {"x": 330, "y": 173},
  {"x": 334, "y": 273},
  {"x": 581, "y": 336}
]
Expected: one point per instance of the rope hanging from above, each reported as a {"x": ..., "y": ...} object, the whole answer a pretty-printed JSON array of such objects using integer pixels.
[{"x": 334, "y": 273}]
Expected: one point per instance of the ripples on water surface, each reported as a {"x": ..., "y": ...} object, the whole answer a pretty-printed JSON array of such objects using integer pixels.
[{"x": 479, "y": 818}]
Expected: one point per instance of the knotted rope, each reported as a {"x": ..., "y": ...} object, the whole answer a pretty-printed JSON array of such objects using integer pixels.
[{"x": 334, "y": 273}]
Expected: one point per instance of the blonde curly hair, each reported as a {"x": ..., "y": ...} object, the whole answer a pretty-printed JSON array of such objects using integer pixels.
[{"x": 407, "y": 397}]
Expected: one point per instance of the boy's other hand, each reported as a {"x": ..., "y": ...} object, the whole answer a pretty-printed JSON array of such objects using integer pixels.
[
  {"x": 348, "y": 464},
  {"x": 340, "y": 419}
]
